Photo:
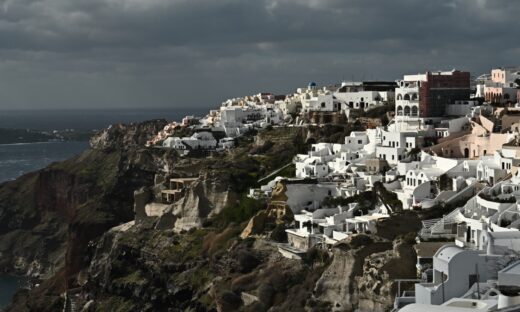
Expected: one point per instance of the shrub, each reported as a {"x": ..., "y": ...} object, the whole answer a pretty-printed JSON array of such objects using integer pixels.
[
  {"x": 410, "y": 238},
  {"x": 315, "y": 255},
  {"x": 239, "y": 212},
  {"x": 278, "y": 234}
]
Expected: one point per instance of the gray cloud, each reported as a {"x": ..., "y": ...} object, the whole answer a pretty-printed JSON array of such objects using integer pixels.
[{"x": 178, "y": 53}]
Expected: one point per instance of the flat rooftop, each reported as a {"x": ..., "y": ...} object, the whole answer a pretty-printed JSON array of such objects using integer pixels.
[{"x": 428, "y": 249}]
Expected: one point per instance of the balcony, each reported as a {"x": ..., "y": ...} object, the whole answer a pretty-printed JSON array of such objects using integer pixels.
[{"x": 496, "y": 203}]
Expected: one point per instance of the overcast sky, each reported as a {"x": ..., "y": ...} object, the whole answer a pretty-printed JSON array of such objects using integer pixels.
[{"x": 183, "y": 53}]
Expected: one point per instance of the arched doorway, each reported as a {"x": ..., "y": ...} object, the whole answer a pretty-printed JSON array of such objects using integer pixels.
[{"x": 466, "y": 152}]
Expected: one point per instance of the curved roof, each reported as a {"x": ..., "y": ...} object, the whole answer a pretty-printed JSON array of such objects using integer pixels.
[{"x": 448, "y": 252}]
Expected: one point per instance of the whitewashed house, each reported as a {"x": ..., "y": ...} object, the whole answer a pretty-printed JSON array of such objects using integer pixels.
[{"x": 199, "y": 140}]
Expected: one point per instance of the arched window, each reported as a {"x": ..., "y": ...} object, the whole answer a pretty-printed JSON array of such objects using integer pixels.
[
  {"x": 399, "y": 110},
  {"x": 407, "y": 97},
  {"x": 415, "y": 111},
  {"x": 407, "y": 111},
  {"x": 399, "y": 97},
  {"x": 414, "y": 97}
]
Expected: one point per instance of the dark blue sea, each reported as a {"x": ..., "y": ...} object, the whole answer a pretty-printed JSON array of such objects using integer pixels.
[
  {"x": 8, "y": 286},
  {"x": 18, "y": 159}
]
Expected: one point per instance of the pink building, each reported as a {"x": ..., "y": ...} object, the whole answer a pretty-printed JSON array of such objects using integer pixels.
[
  {"x": 480, "y": 142},
  {"x": 503, "y": 87}
]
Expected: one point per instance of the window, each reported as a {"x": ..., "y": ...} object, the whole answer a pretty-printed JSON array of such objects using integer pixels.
[
  {"x": 359, "y": 142},
  {"x": 322, "y": 104},
  {"x": 393, "y": 157}
]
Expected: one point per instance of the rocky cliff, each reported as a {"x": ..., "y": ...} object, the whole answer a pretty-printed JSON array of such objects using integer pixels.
[
  {"x": 70, "y": 226},
  {"x": 360, "y": 277},
  {"x": 49, "y": 217}
]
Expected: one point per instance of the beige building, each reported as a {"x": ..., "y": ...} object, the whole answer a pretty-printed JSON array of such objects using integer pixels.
[{"x": 480, "y": 142}]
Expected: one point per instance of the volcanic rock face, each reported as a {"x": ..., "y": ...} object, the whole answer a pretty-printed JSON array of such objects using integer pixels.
[
  {"x": 60, "y": 224},
  {"x": 361, "y": 275},
  {"x": 48, "y": 217},
  {"x": 122, "y": 136},
  {"x": 205, "y": 198}
]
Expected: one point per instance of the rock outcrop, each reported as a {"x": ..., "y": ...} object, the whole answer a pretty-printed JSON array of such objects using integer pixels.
[
  {"x": 275, "y": 214},
  {"x": 121, "y": 136},
  {"x": 71, "y": 225},
  {"x": 204, "y": 198},
  {"x": 48, "y": 218},
  {"x": 361, "y": 275}
]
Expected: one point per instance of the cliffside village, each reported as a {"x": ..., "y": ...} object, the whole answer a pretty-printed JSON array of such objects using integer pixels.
[{"x": 450, "y": 141}]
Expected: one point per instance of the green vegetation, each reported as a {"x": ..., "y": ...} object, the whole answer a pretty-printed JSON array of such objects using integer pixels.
[
  {"x": 315, "y": 256},
  {"x": 511, "y": 199},
  {"x": 388, "y": 198},
  {"x": 117, "y": 304},
  {"x": 240, "y": 212},
  {"x": 414, "y": 153},
  {"x": 278, "y": 234},
  {"x": 134, "y": 277},
  {"x": 379, "y": 111},
  {"x": 409, "y": 238}
]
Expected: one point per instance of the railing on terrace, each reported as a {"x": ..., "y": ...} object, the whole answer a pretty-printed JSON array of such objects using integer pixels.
[
  {"x": 497, "y": 217},
  {"x": 496, "y": 199},
  {"x": 438, "y": 227}
]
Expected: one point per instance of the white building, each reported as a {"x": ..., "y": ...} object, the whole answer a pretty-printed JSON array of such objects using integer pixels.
[
  {"x": 365, "y": 95},
  {"x": 199, "y": 140},
  {"x": 455, "y": 270},
  {"x": 327, "y": 226},
  {"x": 395, "y": 145}
]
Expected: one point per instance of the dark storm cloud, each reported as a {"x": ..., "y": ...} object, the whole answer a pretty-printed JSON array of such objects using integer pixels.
[{"x": 120, "y": 53}]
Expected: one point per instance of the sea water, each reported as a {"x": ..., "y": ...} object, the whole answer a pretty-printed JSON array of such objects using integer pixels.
[{"x": 19, "y": 159}]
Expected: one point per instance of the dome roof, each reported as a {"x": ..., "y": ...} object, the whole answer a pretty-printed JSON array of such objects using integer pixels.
[{"x": 312, "y": 84}]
